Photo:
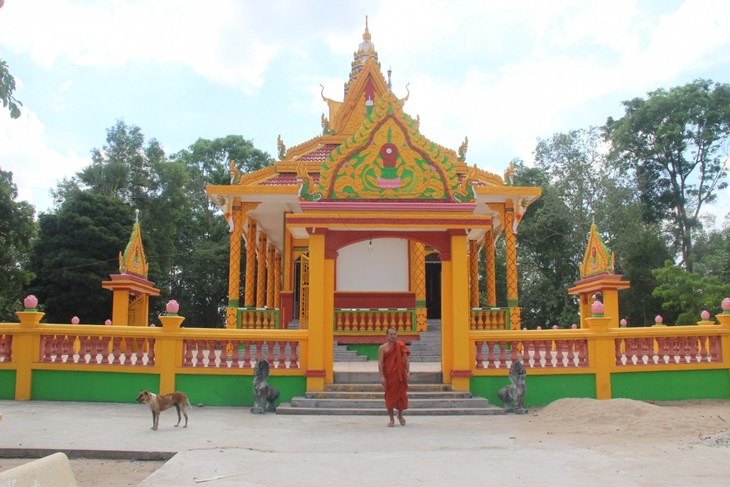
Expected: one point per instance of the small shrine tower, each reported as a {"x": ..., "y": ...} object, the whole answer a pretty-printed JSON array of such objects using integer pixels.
[
  {"x": 131, "y": 287},
  {"x": 597, "y": 276}
]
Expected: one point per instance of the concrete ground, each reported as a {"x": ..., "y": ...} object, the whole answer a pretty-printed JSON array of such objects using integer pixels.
[{"x": 232, "y": 447}]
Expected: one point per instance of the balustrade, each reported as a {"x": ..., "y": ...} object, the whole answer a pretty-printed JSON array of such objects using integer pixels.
[
  {"x": 240, "y": 354},
  {"x": 374, "y": 321},
  {"x": 557, "y": 353}
]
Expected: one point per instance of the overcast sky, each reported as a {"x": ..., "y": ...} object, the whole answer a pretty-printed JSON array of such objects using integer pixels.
[{"x": 502, "y": 73}]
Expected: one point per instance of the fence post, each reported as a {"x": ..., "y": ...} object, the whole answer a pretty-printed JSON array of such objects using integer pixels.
[
  {"x": 602, "y": 355},
  {"x": 168, "y": 352},
  {"x": 25, "y": 351}
]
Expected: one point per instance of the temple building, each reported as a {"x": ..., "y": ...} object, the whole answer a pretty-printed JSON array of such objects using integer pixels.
[{"x": 371, "y": 225}]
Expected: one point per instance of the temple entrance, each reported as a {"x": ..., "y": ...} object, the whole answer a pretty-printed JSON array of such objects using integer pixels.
[{"x": 433, "y": 286}]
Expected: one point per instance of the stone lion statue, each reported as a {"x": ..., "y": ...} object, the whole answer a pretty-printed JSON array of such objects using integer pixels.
[
  {"x": 264, "y": 395},
  {"x": 513, "y": 395}
]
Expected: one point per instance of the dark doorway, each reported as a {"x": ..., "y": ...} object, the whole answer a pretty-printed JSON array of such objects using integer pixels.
[{"x": 433, "y": 287}]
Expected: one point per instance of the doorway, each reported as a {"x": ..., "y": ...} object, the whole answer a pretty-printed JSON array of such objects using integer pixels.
[{"x": 433, "y": 286}]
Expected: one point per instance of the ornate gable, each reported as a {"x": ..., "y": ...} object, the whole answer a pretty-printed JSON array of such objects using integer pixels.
[
  {"x": 133, "y": 260},
  {"x": 388, "y": 158},
  {"x": 597, "y": 259}
]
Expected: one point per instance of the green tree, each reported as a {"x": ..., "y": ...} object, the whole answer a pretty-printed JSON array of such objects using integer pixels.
[
  {"x": 135, "y": 172},
  {"x": 548, "y": 255},
  {"x": 686, "y": 294},
  {"x": 673, "y": 143},
  {"x": 7, "y": 88},
  {"x": 77, "y": 249},
  {"x": 17, "y": 228},
  {"x": 201, "y": 271}
]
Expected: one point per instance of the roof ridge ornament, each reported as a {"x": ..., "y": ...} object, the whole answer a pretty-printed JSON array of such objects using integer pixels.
[{"x": 366, "y": 50}]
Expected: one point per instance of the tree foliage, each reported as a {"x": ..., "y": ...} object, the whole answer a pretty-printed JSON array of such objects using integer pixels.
[
  {"x": 77, "y": 249},
  {"x": 686, "y": 294},
  {"x": 674, "y": 144},
  {"x": 7, "y": 88},
  {"x": 201, "y": 277},
  {"x": 17, "y": 228}
]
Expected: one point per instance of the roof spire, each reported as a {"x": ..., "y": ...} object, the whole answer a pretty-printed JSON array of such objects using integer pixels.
[
  {"x": 390, "y": 85},
  {"x": 365, "y": 51},
  {"x": 366, "y": 34}
]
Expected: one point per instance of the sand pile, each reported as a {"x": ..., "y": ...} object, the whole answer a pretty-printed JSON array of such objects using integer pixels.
[{"x": 638, "y": 419}]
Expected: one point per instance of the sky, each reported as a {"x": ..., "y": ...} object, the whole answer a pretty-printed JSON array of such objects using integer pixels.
[{"x": 503, "y": 74}]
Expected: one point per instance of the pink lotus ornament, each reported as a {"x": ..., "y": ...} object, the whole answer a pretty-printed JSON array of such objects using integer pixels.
[
  {"x": 597, "y": 308},
  {"x": 172, "y": 307},
  {"x": 75, "y": 320},
  {"x": 555, "y": 327},
  {"x": 623, "y": 323},
  {"x": 574, "y": 326},
  {"x": 539, "y": 327},
  {"x": 30, "y": 302},
  {"x": 658, "y": 319},
  {"x": 725, "y": 305},
  {"x": 705, "y": 315},
  {"x": 108, "y": 323}
]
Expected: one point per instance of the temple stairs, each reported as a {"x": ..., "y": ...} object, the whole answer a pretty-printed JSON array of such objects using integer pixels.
[{"x": 357, "y": 390}]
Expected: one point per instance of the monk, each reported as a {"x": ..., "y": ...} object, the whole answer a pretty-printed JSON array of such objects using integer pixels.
[{"x": 395, "y": 373}]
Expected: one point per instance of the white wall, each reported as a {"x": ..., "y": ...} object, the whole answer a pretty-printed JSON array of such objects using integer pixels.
[{"x": 382, "y": 268}]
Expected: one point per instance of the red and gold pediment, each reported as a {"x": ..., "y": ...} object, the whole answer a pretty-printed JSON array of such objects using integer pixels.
[
  {"x": 597, "y": 258},
  {"x": 388, "y": 158}
]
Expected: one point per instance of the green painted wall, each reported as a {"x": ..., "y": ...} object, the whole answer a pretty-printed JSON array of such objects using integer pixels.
[
  {"x": 73, "y": 385},
  {"x": 365, "y": 349},
  {"x": 541, "y": 389},
  {"x": 7, "y": 384},
  {"x": 235, "y": 390},
  {"x": 671, "y": 385}
]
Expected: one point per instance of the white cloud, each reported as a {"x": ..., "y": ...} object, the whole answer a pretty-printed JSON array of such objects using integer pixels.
[{"x": 36, "y": 167}]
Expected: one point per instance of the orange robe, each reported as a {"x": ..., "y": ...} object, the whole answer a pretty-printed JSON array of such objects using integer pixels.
[{"x": 394, "y": 370}]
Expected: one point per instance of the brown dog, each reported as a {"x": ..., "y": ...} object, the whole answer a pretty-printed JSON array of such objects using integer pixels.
[{"x": 159, "y": 403}]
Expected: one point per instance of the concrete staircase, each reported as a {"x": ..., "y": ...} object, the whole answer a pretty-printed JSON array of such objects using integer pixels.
[
  {"x": 360, "y": 393},
  {"x": 428, "y": 346},
  {"x": 357, "y": 390},
  {"x": 426, "y": 349}
]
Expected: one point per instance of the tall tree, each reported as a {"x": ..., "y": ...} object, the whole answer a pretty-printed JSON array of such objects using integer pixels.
[
  {"x": 580, "y": 187},
  {"x": 136, "y": 172},
  {"x": 201, "y": 272},
  {"x": 78, "y": 248},
  {"x": 673, "y": 142},
  {"x": 16, "y": 231}
]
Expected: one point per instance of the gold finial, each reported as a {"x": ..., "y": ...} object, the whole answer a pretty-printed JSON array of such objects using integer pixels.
[{"x": 366, "y": 35}]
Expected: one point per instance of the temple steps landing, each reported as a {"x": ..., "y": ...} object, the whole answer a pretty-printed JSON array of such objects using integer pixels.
[{"x": 357, "y": 391}]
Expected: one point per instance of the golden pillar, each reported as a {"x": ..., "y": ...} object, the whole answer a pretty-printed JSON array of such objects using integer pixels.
[
  {"x": 316, "y": 372},
  {"x": 261, "y": 271},
  {"x": 447, "y": 319},
  {"x": 418, "y": 282},
  {"x": 459, "y": 312},
  {"x": 510, "y": 243},
  {"x": 250, "y": 288},
  {"x": 490, "y": 277},
  {"x": 474, "y": 273},
  {"x": 234, "y": 266},
  {"x": 270, "y": 275},
  {"x": 277, "y": 280}
]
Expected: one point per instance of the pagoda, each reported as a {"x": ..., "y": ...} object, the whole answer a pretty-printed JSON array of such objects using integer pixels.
[{"x": 368, "y": 225}]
